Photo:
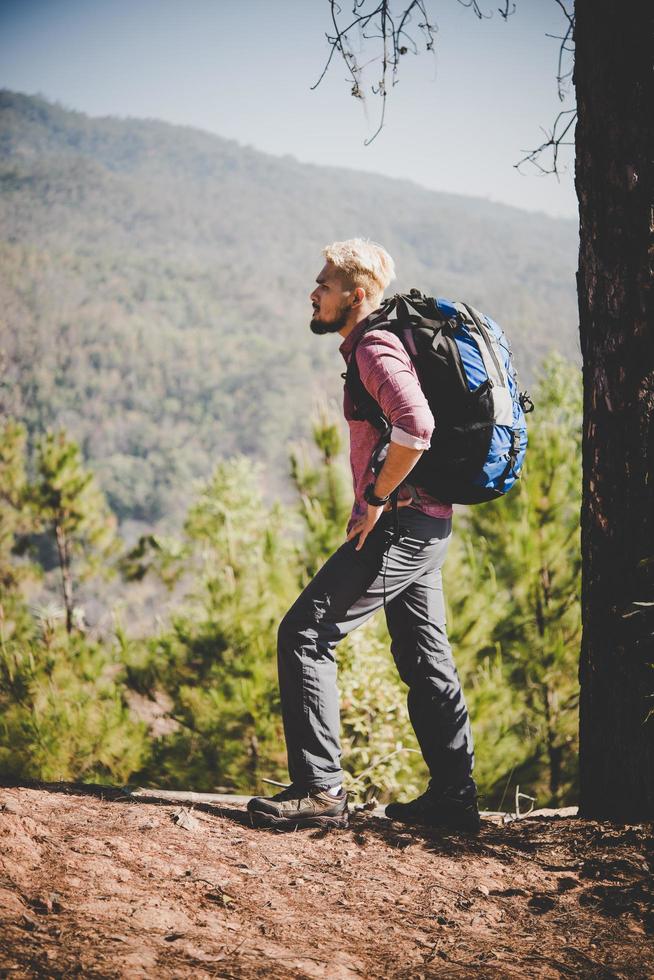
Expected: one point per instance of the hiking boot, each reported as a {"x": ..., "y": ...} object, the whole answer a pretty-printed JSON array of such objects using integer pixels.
[
  {"x": 293, "y": 808},
  {"x": 449, "y": 808}
]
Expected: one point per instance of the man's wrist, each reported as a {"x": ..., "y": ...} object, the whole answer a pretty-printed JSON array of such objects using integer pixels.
[{"x": 372, "y": 498}]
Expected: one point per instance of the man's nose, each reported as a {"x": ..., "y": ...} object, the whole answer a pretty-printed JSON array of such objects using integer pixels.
[{"x": 312, "y": 297}]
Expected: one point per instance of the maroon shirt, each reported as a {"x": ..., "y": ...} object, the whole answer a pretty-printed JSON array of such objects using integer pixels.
[{"x": 388, "y": 374}]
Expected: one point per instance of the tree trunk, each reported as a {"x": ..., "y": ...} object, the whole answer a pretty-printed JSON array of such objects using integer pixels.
[
  {"x": 63, "y": 547},
  {"x": 615, "y": 136}
]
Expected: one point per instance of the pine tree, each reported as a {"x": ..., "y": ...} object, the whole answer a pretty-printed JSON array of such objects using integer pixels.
[
  {"x": 70, "y": 505},
  {"x": 62, "y": 711}
]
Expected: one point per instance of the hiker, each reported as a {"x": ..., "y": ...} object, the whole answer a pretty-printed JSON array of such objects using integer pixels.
[{"x": 391, "y": 559}]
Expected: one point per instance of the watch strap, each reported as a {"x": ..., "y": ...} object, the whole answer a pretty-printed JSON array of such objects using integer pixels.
[{"x": 371, "y": 497}]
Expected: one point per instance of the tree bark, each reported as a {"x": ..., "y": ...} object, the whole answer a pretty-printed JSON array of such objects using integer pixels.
[
  {"x": 63, "y": 548},
  {"x": 614, "y": 139}
]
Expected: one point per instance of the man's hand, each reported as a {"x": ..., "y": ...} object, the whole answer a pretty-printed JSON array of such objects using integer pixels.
[
  {"x": 399, "y": 462},
  {"x": 365, "y": 524}
]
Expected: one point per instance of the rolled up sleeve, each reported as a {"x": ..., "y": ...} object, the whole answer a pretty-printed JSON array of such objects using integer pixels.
[
  {"x": 390, "y": 378},
  {"x": 403, "y": 438}
]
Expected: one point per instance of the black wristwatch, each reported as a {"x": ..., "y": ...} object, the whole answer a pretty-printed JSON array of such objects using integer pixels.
[{"x": 371, "y": 498}]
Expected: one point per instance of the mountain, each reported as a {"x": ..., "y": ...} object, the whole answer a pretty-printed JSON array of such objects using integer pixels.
[{"x": 155, "y": 281}]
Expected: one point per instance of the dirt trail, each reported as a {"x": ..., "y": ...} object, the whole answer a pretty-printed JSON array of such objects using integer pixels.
[{"x": 107, "y": 887}]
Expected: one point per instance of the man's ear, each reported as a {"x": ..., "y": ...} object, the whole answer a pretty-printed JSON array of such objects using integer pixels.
[{"x": 359, "y": 295}]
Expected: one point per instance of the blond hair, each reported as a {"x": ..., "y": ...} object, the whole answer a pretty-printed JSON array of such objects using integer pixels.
[{"x": 362, "y": 263}]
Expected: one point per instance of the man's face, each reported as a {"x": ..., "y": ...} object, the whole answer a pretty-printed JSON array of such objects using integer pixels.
[{"x": 331, "y": 302}]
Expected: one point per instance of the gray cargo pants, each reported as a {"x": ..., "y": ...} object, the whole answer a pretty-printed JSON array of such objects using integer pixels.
[{"x": 405, "y": 578}]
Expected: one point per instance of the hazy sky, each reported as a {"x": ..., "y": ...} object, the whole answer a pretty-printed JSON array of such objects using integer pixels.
[{"x": 457, "y": 121}]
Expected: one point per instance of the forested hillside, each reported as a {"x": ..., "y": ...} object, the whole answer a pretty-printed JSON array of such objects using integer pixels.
[{"x": 155, "y": 279}]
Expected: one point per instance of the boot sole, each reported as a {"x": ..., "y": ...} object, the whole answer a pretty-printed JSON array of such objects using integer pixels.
[{"x": 259, "y": 819}]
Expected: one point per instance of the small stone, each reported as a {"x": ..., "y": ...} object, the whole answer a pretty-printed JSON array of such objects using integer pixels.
[{"x": 185, "y": 819}]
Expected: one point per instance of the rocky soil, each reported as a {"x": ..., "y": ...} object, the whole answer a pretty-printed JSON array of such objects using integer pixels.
[{"x": 95, "y": 884}]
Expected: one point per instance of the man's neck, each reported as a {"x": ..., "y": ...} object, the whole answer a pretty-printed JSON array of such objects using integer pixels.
[{"x": 361, "y": 314}]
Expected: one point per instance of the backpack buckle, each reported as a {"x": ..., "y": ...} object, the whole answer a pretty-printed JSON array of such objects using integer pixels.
[{"x": 526, "y": 404}]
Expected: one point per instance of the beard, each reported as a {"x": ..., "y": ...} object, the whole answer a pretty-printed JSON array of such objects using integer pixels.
[{"x": 319, "y": 326}]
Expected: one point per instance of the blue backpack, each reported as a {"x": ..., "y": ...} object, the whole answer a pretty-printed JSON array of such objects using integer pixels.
[{"x": 465, "y": 367}]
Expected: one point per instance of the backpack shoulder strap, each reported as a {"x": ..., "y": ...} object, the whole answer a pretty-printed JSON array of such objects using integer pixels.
[
  {"x": 366, "y": 409},
  {"x": 409, "y": 309}
]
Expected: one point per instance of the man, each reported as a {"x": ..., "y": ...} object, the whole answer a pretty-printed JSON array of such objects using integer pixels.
[{"x": 374, "y": 569}]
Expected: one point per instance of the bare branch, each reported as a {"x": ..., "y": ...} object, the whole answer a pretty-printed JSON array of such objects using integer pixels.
[
  {"x": 373, "y": 20},
  {"x": 566, "y": 50},
  {"x": 555, "y": 140},
  {"x": 476, "y": 9},
  {"x": 506, "y": 11}
]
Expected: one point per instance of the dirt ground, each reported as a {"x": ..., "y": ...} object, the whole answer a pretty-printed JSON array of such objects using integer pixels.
[{"x": 95, "y": 884}]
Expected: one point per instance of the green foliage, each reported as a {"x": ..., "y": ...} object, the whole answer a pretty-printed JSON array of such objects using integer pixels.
[
  {"x": 16, "y": 521},
  {"x": 62, "y": 710},
  {"x": 68, "y": 502},
  {"x": 15, "y": 517}
]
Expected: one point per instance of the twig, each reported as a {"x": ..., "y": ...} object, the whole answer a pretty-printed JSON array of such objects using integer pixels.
[
  {"x": 580, "y": 952},
  {"x": 476, "y": 9},
  {"x": 523, "y": 796},
  {"x": 555, "y": 140},
  {"x": 508, "y": 782},
  {"x": 445, "y": 888},
  {"x": 557, "y": 137},
  {"x": 373, "y": 20},
  {"x": 383, "y": 759},
  {"x": 230, "y": 952},
  {"x": 550, "y": 959},
  {"x": 174, "y": 796},
  {"x": 565, "y": 48}
]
